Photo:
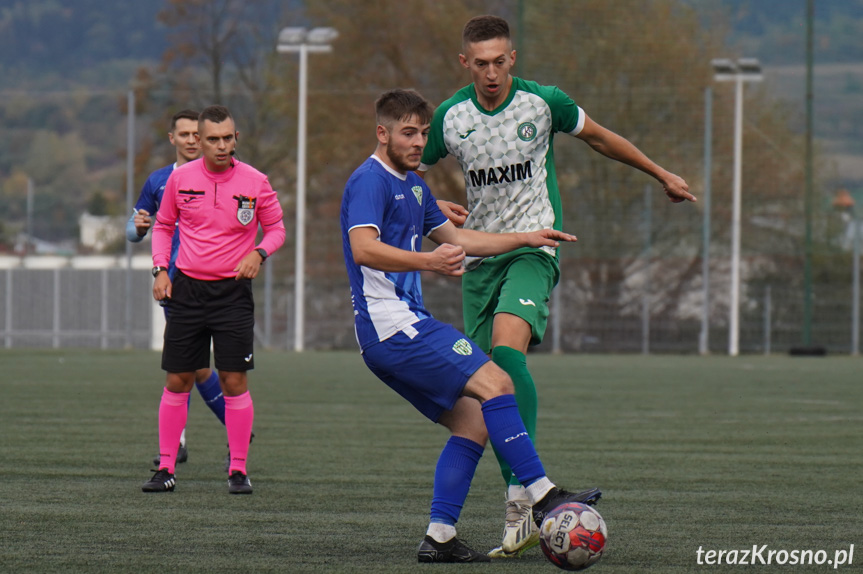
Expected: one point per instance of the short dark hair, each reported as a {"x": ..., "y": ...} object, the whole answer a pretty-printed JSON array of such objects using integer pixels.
[
  {"x": 482, "y": 28},
  {"x": 399, "y": 104},
  {"x": 186, "y": 114},
  {"x": 215, "y": 114}
]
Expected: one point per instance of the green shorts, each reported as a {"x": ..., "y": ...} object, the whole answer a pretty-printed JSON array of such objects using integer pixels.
[{"x": 519, "y": 283}]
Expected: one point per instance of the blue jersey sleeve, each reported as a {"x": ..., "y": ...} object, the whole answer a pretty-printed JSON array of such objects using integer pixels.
[
  {"x": 366, "y": 201},
  {"x": 148, "y": 199}
]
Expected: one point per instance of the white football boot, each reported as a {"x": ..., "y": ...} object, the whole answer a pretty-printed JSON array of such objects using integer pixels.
[{"x": 519, "y": 533}]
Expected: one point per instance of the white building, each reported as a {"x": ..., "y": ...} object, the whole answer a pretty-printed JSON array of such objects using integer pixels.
[{"x": 99, "y": 231}]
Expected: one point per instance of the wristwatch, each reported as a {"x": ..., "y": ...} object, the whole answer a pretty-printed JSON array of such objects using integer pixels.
[
  {"x": 262, "y": 253},
  {"x": 157, "y": 270}
]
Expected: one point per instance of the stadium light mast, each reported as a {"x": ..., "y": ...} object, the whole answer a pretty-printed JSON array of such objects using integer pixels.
[
  {"x": 317, "y": 40},
  {"x": 737, "y": 71}
]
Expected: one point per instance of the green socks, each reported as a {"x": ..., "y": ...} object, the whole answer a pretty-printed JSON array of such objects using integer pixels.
[{"x": 515, "y": 364}]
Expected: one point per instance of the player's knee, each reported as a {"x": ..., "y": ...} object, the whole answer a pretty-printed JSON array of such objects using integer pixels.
[
  {"x": 501, "y": 383},
  {"x": 233, "y": 383},
  {"x": 488, "y": 382},
  {"x": 179, "y": 382}
]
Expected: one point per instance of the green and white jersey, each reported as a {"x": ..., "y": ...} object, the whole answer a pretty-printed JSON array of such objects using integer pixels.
[{"x": 506, "y": 154}]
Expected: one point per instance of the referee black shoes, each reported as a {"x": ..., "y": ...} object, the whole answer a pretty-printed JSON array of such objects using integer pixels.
[
  {"x": 239, "y": 483},
  {"x": 162, "y": 481}
]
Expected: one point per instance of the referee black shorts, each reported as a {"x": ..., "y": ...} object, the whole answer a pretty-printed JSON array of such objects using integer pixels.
[{"x": 199, "y": 311}]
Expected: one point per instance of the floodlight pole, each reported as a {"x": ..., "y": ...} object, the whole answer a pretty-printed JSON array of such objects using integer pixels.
[
  {"x": 734, "y": 321},
  {"x": 130, "y": 182},
  {"x": 743, "y": 70},
  {"x": 703, "y": 341},
  {"x": 300, "y": 278},
  {"x": 807, "y": 253},
  {"x": 302, "y": 41}
]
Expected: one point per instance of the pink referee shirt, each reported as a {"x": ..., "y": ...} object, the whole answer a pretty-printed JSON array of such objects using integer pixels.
[{"x": 218, "y": 216}]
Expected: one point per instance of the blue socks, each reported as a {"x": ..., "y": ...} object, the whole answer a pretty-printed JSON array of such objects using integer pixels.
[
  {"x": 453, "y": 474},
  {"x": 459, "y": 458},
  {"x": 508, "y": 435},
  {"x": 211, "y": 392}
]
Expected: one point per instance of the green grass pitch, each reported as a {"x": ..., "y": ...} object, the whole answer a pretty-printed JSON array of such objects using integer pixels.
[{"x": 690, "y": 452}]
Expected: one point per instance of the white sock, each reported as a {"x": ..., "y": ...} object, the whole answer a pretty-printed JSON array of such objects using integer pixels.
[
  {"x": 516, "y": 493},
  {"x": 538, "y": 490},
  {"x": 441, "y": 532},
  {"x": 183, "y": 438}
]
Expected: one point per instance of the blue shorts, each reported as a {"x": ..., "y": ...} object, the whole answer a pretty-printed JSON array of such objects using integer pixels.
[{"x": 428, "y": 366}]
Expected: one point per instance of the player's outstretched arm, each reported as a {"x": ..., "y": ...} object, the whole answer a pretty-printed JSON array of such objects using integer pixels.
[
  {"x": 369, "y": 252},
  {"x": 616, "y": 147},
  {"x": 453, "y": 211},
  {"x": 481, "y": 244}
]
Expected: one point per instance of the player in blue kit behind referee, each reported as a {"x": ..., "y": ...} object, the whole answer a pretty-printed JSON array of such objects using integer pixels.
[{"x": 182, "y": 135}]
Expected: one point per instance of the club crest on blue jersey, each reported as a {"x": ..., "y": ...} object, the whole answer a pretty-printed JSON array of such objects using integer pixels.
[
  {"x": 418, "y": 192},
  {"x": 245, "y": 208}
]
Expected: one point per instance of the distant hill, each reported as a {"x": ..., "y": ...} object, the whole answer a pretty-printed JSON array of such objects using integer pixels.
[
  {"x": 44, "y": 42},
  {"x": 774, "y": 30}
]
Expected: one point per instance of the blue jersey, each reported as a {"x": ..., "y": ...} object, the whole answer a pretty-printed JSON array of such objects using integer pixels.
[
  {"x": 402, "y": 210},
  {"x": 150, "y": 199}
]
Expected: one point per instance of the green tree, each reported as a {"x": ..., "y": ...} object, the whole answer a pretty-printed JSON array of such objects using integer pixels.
[
  {"x": 223, "y": 52},
  {"x": 97, "y": 204},
  {"x": 56, "y": 164}
]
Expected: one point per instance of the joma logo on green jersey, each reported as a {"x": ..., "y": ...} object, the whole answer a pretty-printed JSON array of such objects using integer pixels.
[
  {"x": 505, "y": 174},
  {"x": 467, "y": 133}
]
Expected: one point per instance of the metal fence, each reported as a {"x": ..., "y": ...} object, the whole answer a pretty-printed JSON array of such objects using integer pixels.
[
  {"x": 58, "y": 302},
  {"x": 82, "y": 302}
]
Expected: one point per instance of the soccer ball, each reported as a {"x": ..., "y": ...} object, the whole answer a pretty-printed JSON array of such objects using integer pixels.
[{"x": 573, "y": 536}]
